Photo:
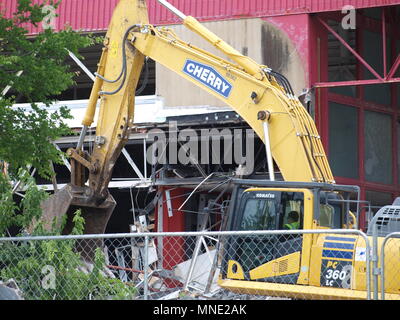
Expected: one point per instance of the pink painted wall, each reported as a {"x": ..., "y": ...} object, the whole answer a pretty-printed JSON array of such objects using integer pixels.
[
  {"x": 297, "y": 28},
  {"x": 94, "y": 15}
]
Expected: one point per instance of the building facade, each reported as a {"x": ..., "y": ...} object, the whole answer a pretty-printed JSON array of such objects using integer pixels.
[{"x": 342, "y": 58}]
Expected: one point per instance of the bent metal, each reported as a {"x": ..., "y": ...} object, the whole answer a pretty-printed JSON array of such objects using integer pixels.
[{"x": 183, "y": 148}]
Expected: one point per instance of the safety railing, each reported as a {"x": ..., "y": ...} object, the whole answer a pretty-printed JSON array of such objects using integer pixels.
[
  {"x": 187, "y": 265},
  {"x": 389, "y": 265}
]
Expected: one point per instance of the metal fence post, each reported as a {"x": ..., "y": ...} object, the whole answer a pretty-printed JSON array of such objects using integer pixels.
[
  {"x": 376, "y": 270},
  {"x": 146, "y": 267},
  {"x": 367, "y": 263},
  {"x": 382, "y": 260}
]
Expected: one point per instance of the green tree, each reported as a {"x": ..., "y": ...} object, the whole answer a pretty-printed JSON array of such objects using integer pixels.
[
  {"x": 26, "y": 141},
  {"x": 36, "y": 70},
  {"x": 25, "y": 138},
  {"x": 28, "y": 262}
]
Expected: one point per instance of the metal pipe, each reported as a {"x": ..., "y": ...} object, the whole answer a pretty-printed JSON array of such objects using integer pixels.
[
  {"x": 188, "y": 234},
  {"x": 81, "y": 65},
  {"x": 146, "y": 266},
  {"x": 187, "y": 199},
  {"x": 394, "y": 68},
  {"x": 389, "y": 79},
  {"x": 367, "y": 264},
  {"x": 375, "y": 270},
  {"x": 171, "y": 8},
  {"x": 358, "y": 207},
  {"x": 268, "y": 150},
  {"x": 66, "y": 163},
  {"x": 145, "y": 158},
  {"x": 7, "y": 88},
  {"x": 93, "y": 78},
  {"x": 384, "y": 42},
  {"x": 382, "y": 259},
  {"x": 359, "y": 58},
  {"x": 133, "y": 164},
  {"x": 82, "y": 137}
]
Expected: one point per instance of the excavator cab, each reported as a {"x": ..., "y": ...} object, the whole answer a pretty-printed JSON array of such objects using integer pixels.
[
  {"x": 266, "y": 209},
  {"x": 303, "y": 265},
  {"x": 278, "y": 257}
]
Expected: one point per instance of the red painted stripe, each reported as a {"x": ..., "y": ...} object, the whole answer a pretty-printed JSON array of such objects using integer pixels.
[{"x": 92, "y": 15}]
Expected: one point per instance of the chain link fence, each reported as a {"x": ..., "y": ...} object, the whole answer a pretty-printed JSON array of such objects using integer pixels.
[
  {"x": 301, "y": 264},
  {"x": 388, "y": 267}
]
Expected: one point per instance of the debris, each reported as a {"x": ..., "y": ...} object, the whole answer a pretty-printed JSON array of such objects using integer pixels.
[
  {"x": 9, "y": 290},
  {"x": 171, "y": 296},
  {"x": 87, "y": 268},
  {"x": 200, "y": 273}
]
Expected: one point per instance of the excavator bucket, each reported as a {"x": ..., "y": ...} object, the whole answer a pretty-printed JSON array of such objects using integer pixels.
[
  {"x": 71, "y": 198},
  {"x": 66, "y": 202},
  {"x": 112, "y": 129}
]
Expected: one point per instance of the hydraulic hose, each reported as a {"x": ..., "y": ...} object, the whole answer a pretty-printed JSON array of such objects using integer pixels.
[
  {"x": 145, "y": 80},
  {"x": 123, "y": 70}
]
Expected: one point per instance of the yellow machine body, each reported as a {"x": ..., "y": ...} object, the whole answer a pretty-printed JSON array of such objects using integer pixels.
[{"x": 327, "y": 266}]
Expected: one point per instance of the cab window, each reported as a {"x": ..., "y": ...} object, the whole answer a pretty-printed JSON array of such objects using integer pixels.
[
  {"x": 259, "y": 214},
  {"x": 331, "y": 210},
  {"x": 270, "y": 210},
  {"x": 292, "y": 205},
  {"x": 326, "y": 215}
]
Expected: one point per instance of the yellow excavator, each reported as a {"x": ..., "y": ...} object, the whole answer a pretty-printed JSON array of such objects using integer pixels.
[{"x": 307, "y": 265}]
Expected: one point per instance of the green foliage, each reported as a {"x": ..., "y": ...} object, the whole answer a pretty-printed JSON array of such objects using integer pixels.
[
  {"x": 19, "y": 214},
  {"x": 31, "y": 263},
  {"x": 52, "y": 269},
  {"x": 25, "y": 138}
]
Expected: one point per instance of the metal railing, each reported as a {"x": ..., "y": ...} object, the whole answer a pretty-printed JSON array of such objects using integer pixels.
[
  {"x": 161, "y": 265},
  {"x": 395, "y": 264}
]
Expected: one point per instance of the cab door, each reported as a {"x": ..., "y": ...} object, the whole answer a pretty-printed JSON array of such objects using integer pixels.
[
  {"x": 260, "y": 211},
  {"x": 271, "y": 258}
]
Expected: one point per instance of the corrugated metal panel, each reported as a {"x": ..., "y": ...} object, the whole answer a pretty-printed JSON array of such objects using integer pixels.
[
  {"x": 93, "y": 15},
  {"x": 85, "y": 15},
  {"x": 233, "y": 9}
]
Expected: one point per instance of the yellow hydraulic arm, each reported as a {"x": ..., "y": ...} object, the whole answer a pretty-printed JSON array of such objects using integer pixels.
[
  {"x": 260, "y": 96},
  {"x": 254, "y": 91},
  {"x": 116, "y": 81}
]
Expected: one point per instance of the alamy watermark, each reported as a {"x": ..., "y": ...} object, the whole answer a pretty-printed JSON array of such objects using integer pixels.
[
  {"x": 349, "y": 20},
  {"x": 49, "y": 277},
  {"x": 204, "y": 146},
  {"x": 49, "y": 21}
]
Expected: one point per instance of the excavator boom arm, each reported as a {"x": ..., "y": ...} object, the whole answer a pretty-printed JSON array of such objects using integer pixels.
[
  {"x": 116, "y": 81},
  {"x": 244, "y": 85},
  {"x": 260, "y": 96},
  {"x": 295, "y": 143}
]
